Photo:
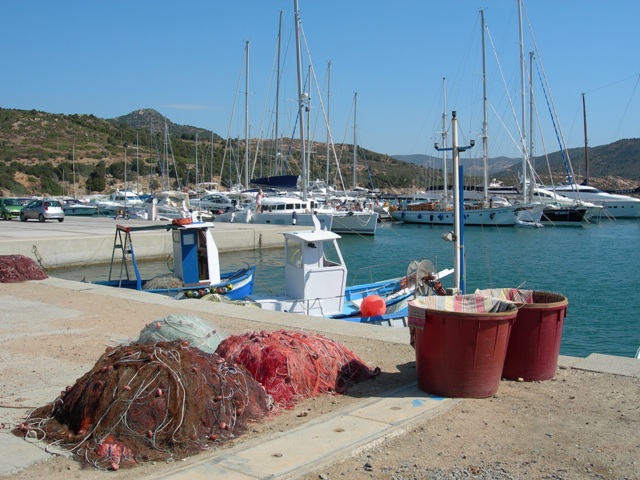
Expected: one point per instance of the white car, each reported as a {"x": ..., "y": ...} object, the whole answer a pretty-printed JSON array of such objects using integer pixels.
[{"x": 44, "y": 209}]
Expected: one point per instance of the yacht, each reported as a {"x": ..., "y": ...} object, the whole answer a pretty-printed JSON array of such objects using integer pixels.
[{"x": 614, "y": 205}]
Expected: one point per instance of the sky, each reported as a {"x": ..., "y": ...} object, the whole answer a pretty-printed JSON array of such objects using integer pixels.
[{"x": 187, "y": 59}]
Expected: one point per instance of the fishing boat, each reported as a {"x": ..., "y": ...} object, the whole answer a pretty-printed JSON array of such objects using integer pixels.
[
  {"x": 316, "y": 284},
  {"x": 195, "y": 260},
  {"x": 316, "y": 274}
]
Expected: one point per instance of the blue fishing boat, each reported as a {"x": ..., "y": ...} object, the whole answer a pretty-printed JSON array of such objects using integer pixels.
[{"x": 196, "y": 264}]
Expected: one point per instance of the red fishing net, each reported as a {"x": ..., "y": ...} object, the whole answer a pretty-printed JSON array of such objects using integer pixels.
[
  {"x": 150, "y": 402},
  {"x": 296, "y": 365},
  {"x": 18, "y": 268}
]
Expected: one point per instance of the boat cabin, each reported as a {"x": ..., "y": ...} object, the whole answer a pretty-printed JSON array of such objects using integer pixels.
[
  {"x": 315, "y": 275},
  {"x": 195, "y": 255}
]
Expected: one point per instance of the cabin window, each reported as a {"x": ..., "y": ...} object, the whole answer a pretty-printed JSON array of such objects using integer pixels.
[
  {"x": 330, "y": 254},
  {"x": 294, "y": 253}
]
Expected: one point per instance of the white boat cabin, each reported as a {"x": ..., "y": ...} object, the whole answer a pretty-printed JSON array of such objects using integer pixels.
[{"x": 315, "y": 275}]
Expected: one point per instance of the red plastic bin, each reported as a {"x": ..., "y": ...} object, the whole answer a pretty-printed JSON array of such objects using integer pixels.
[
  {"x": 460, "y": 354},
  {"x": 534, "y": 344}
]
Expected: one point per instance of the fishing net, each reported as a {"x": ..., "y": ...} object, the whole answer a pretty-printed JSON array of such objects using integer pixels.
[
  {"x": 296, "y": 365},
  {"x": 18, "y": 268},
  {"x": 163, "y": 281},
  {"x": 196, "y": 331},
  {"x": 144, "y": 403},
  {"x": 217, "y": 298}
]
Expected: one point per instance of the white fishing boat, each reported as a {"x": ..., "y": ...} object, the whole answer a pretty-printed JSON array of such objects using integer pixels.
[{"x": 316, "y": 284}]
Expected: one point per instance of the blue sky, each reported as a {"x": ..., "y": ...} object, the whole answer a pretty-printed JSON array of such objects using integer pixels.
[{"x": 186, "y": 60}]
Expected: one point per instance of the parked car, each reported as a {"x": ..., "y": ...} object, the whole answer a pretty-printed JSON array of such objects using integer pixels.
[
  {"x": 10, "y": 208},
  {"x": 45, "y": 209}
]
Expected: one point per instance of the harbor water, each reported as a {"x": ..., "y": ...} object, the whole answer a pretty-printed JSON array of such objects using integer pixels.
[{"x": 594, "y": 266}]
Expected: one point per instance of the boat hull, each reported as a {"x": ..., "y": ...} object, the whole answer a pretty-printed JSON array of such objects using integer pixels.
[
  {"x": 363, "y": 223},
  {"x": 564, "y": 216},
  {"x": 499, "y": 217},
  {"x": 86, "y": 211},
  {"x": 234, "y": 285}
]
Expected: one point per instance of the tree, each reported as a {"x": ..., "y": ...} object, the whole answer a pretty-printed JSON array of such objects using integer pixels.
[{"x": 96, "y": 181}]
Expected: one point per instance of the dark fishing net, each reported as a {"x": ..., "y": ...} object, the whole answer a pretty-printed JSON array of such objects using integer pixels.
[
  {"x": 144, "y": 403},
  {"x": 296, "y": 365},
  {"x": 18, "y": 268}
]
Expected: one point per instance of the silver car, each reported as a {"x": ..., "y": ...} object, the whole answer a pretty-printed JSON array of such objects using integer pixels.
[{"x": 45, "y": 209}]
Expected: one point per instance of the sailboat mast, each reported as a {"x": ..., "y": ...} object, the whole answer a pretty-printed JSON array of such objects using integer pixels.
[
  {"x": 277, "y": 132},
  {"x": 137, "y": 166},
  {"x": 586, "y": 147},
  {"x": 485, "y": 122},
  {"x": 531, "y": 104},
  {"x": 73, "y": 166},
  {"x": 525, "y": 195},
  {"x": 328, "y": 119},
  {"x": 196, "y": 178},
  {"x": 246, "y": 118},
  {"x": 444, "y": 139},
  {"x": 355, "y": 140},
  {"x": 302, "y": 97}
]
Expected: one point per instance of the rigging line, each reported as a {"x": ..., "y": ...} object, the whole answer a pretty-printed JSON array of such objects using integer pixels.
[
  {"x": 617, "y": 130},
  {"x": 233, "y": 109},
  {"x": 324, "y": 112},
  {"x": 637, "y": 76},
  {"x": 545, "y": 85},
  {"x": 544, "y": 145},
  {"x": 566, "y": 160},
  {"x": 510, "y": 101}
]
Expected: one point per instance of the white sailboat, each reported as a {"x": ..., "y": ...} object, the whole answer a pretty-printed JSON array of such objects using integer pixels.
[
  {"x": 613, "y": 205},
  {"x": 441, "y": 210},
  {"x": 300, "y": 210}
]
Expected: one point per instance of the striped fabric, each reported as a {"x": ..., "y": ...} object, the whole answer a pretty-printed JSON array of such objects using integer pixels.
[{"x": 497, "y": 300}]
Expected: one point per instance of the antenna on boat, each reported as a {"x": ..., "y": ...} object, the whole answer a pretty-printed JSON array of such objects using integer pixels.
[{"x": 458, "y": 221}]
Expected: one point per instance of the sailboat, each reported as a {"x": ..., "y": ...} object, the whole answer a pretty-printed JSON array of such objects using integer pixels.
[
  {"x": 440, "y": 210},
  {"x": 301, "y": 210},
  {"x": 613, "y": 205},
  {"x": 73, "y": 206}
]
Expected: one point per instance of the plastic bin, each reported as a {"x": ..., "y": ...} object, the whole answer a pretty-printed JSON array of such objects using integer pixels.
[
  {"x": 460, "y": 349},
  {"x": 534, "y": 344}
]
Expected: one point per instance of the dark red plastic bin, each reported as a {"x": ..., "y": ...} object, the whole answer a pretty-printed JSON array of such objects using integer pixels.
[
  {"x": 460, "y": 354},
  {"x": 534, "y": 344}
]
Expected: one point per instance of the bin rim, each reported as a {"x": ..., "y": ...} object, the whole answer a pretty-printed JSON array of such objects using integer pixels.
[
  {"x": 472, "y": 315},
  {"x": 557, "y": 304}
]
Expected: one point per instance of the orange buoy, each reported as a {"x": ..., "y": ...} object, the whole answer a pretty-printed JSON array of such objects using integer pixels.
[{"x": 372, "y": 306}]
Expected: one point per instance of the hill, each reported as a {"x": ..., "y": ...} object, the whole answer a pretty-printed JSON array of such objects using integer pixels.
[{"x": 52, "y": 154}]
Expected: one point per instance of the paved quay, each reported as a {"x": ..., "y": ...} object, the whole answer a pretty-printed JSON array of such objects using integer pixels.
[
  {"x": 67, "y": 324},
  {"x": 89, "y": 240}
]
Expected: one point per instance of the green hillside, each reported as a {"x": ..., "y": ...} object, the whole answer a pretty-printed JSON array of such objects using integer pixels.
[{"x": 52, "y": 154}]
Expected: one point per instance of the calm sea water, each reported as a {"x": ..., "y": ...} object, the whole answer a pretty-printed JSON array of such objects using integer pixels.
[{"x": 594, "y": 266}]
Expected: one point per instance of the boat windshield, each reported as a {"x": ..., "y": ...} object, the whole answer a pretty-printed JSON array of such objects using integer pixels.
[{"x": 330, "y": 254}]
